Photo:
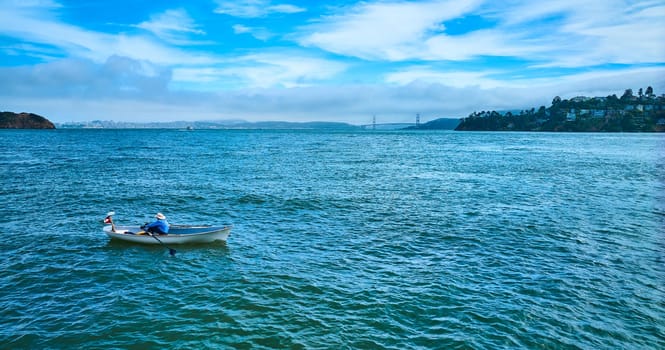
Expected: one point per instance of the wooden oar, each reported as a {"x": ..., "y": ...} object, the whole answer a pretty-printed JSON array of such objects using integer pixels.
[{"x": 171, "y": 250}]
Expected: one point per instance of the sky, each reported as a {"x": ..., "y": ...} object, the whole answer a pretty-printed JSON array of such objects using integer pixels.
[{"x": 341, "y": 61}]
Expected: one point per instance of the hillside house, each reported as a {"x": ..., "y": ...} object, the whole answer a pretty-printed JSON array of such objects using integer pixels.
[
  {"x": 598, "y": 113},
  {"x": 571, "y": 116}
]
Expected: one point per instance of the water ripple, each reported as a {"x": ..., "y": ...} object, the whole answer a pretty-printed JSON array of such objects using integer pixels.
[{"x": 341, "y": 240}]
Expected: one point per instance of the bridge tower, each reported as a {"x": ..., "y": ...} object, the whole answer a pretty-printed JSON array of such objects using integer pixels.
[
  {"x": 417, "y": 120},
  {"x": 374, "y": 122}
]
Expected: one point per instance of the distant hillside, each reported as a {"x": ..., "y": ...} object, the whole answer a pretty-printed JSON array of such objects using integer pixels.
[
  {"x": 437, "y": 124},
  {"x": 629, "y": 113},
  {"x": 221, "y": 124},
  {"x": 295, "y": 125},
  {"x": 11, "y": 120}
]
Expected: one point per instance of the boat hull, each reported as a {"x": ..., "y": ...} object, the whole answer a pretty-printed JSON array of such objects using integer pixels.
[{"x": 176, "y": 235}]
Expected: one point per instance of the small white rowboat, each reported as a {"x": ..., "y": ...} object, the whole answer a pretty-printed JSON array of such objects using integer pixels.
[{"x": 178, "y": 234}]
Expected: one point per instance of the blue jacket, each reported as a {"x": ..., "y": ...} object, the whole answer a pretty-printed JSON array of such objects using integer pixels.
[{"x": 160, "y": 224}]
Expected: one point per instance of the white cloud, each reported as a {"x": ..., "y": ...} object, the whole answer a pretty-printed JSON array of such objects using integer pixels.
[
  {"x": 288, "y": 70},
  {"x": 559, "y": 33},
  {"x": 263, "y": 70},
  {"x": 254, "y": 8},
  {"x": 471, "y": 45},
  {"x": 384, "y": 30},
  {"x": 452, "y": 78},
  {"x": 259, "y": 33},
  {"x": 285, "y": 8},
  {"x": 565, "y": 34},
  {"x": 592, "y": 83},
  {"x": 37, "y": 27},
  {"x": 171, "y": 25}
]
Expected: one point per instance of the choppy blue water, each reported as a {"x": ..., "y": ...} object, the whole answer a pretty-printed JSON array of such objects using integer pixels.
[{"x": 357, "y": 240}]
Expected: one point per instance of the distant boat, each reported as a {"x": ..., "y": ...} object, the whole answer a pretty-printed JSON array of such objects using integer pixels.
[
  {"x": 178, "y": 234},
  {"x": 189, "y": 128}
]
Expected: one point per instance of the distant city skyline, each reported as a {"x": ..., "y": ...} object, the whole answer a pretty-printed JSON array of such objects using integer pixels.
[{"x": 337, "y": 61}]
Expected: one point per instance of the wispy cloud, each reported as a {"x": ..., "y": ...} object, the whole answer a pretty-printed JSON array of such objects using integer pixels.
[
  {"x": 263, "y": 70},
  {"x": 254, "y": 8},
  {"x": 287, "y": 70},
  {"x": 172, "y": 25},
  {"x": 259, "y": 33},
  {"x": 39, "y": 27},
  {"x": 429, "y": 75},
  {"x": 565, "y": 34},
  {"x": 385, "y": 30},
  {"x": 561, "y": 33},
  {"x": 31, "y": 4}
]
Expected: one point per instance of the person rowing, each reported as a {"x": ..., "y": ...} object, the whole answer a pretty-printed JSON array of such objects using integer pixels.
[{"x": 160, "y": 226}]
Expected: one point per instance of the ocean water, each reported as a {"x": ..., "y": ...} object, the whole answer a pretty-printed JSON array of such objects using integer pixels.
[{"x": 341, "y": 240}]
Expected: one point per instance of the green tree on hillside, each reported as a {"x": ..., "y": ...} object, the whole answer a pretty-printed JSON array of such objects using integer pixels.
[
  {"x": 599, "y": 114},
  {"x": 556, "y": 101},
  {"x": 627, "y": 94}
]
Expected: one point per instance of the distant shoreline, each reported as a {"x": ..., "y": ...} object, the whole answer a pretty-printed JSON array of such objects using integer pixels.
[{"x": 629, "y": 113}]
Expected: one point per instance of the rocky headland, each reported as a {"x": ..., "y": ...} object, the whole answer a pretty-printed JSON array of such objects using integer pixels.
[{"x": 11, "y": 120}]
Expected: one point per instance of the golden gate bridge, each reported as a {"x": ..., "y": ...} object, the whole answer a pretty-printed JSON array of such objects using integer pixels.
[{"x": 390, "y": 126}]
